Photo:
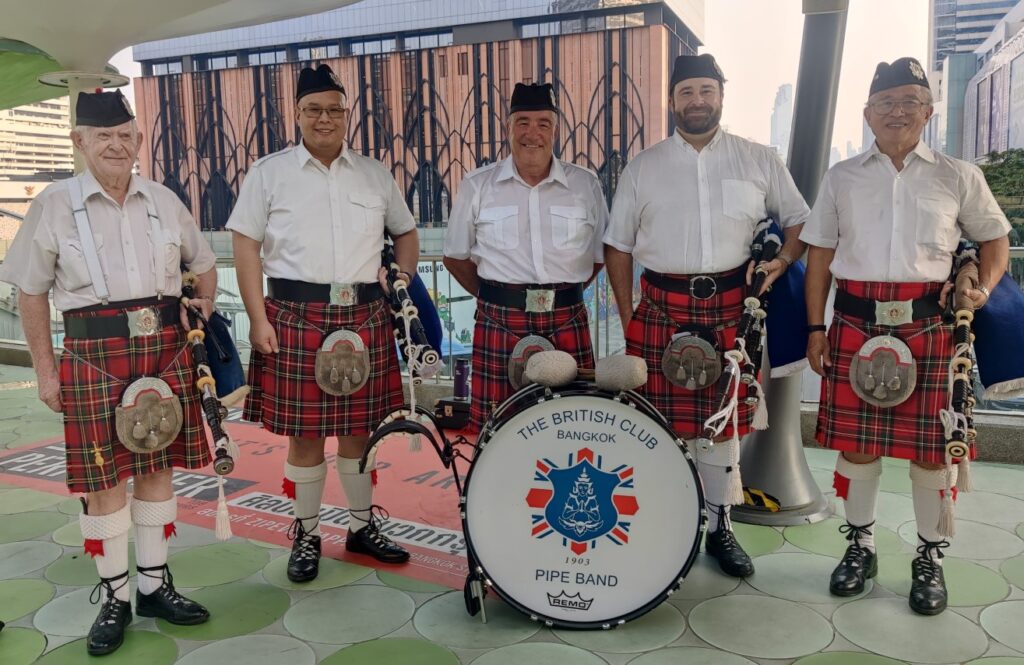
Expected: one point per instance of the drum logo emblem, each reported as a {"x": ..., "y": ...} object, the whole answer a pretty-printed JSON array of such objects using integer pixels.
[{"x": 581, "y": 502}]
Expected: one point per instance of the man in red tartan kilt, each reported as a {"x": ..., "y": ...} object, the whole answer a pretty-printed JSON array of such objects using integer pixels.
[
  {"x": 110, "y": 244},
  {"x": 524, "y": 237},
  {"x": 885, "y": 225},
  {"x": 686, "y": 210},
  {"x": 324, "y": 361}
]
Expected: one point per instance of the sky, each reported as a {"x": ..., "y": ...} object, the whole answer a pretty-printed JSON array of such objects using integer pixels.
[{"x": 757, "y": 44}]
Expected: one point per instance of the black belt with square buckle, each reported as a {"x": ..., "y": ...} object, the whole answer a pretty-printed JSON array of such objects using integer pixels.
[
  {"x": 136, "y": 318},
  {"x": 531, "y": 297},
  {"x": 701, "y": 287},
  {"x": 332, "y": 294},
  {"x": 887, "y": 313}
]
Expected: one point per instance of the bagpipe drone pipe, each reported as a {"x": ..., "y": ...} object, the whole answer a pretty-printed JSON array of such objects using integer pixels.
[
  {"x": 226, "y": 452},
  {"x": 411, "y": 306}
]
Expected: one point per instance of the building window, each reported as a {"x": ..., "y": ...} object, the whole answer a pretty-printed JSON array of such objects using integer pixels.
[
  {"x": 428, "y": 41},
  {"x": 442, "y": 65},
  {"x": 445, "y": 39},
  {"x": 159, "y": 68},
  {"x": 268, "y": 57},
  {"x": 463, "y": 64},
  {"x": 174, "y": 67},
  {"x": 388, "y": 45}
]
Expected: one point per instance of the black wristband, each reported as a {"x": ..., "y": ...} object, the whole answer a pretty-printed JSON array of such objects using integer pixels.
[{"x": 817, "y": 328}]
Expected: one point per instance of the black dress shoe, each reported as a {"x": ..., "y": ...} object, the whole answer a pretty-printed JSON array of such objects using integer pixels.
[
  {"x": 304, "y": 561},
  {"x": 369, "y": 540},
  {"x": 928, "y": 587},
  {"x": 722, "y": 545},
  {"x": 107, "y": 632},
  {"x": 859, "y": 564},
  {"x": 166, "y": 603}
]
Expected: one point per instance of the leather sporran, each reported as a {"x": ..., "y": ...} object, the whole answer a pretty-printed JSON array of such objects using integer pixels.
[
  {"x": 691, "y": 362},
  {"x": 342, "y": 363},
  {"x": 883, "y": 371},
  {"x": 524, "y": 348},
  {"x": 149, "y": 417}
]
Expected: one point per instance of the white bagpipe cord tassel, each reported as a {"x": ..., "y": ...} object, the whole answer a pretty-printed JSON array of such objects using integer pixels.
[
  {"x": 223, "y": 521},
  {"x": 415, "y": 445},
  {"x": 232, "y": 448},
  {"x": 946, "y": 526},
  {"x": 963, "y": 478}
]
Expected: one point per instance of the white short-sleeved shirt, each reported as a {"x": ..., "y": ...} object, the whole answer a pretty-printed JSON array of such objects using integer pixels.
[
  {"x": 682, "y": 211},
  {"x": 316, "y": 224},
  {"x": 47, "y": 251},
  {"x": 520, "y": 234},
  {"x": 901, "y": 226}
]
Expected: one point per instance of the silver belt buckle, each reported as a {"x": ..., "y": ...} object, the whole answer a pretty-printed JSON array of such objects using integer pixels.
[
  {"x": 540, "y": 300},
  {"x": 143, "y": 322},
  {"x": 894, "y": 312},
  {"x": 343, "y": 294},
  {"x": 703, "y": 287}
]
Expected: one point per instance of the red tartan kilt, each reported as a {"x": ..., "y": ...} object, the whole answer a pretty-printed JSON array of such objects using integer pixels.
[
  {"x": 911, "y": 430},
  {"x": 498, "y": 329},
  {"x": 284, "y": 394},
  {"x": 94, "y": 375},
  {"x": 649, "y": 334}
]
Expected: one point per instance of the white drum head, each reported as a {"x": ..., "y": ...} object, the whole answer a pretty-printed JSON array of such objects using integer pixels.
[{"x": 583, "y": 511}]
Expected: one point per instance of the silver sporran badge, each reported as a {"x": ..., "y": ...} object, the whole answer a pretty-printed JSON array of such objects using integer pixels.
[
  {"x": 524, "y": 348},
  {"x": 883, "y": 371},
  {"x": 342, "y": 363},
  {"x": 691, "y": 362},
  {"x": 149, "y": 417}
]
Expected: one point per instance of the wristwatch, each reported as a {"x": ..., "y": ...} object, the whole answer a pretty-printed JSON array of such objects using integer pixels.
[{"x": 984, "y": 289}]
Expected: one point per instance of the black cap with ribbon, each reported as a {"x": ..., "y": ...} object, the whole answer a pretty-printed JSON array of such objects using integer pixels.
[
  {"x": 533, "y": 97},
  {"x": 102, "y": 109},
  {"x": 905, "y": 71},
  {"x": 695, "y": 66},
  {"x": 320, "y": 79}
]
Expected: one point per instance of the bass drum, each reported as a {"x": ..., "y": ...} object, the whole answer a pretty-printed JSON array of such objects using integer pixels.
[{"x": 581, "y": 507}]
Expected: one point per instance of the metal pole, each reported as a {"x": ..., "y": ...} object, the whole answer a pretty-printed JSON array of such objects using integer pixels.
[{"x": 773, "y": 460}]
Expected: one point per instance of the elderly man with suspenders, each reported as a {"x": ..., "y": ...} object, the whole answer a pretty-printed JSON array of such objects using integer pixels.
[
  {"x": 324, "y": 361},
  {"x": 110, "y": 244},
  {"x": 524, "y": 237}
]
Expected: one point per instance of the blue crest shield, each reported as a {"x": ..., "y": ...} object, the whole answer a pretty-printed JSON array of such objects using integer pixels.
[{"x": 581, "y": 508}]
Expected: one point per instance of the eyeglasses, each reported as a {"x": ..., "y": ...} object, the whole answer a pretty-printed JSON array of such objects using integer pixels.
[
  {"x": 909, "y": 106},
  {"x": 314, "y": 112}
]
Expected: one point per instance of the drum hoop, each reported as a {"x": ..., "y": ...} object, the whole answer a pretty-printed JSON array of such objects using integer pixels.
[{"x": 581, "y": 388}]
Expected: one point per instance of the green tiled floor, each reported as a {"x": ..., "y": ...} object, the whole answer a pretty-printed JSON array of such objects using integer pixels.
[{"x": 353, "y": 615}]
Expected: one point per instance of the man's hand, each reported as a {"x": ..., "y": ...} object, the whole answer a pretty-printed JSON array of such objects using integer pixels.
[
  {"x": 382, "y": 277},
  {"x": 49, "y": 390},
  {"x": 946, "y": 288},
  {"x": 773, "y": 270},
  {"x": 818, "y": 352},
  {"x": 262, "y": 337},
  {"x": 976, "y": 297},
  {"x": 204, "y": 305}
]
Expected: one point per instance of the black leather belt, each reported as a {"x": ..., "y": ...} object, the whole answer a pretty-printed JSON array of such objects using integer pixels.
[
  {"x": 136, "y": 318},
  {"x": 334, "y": 294},
  {"x": 531, "y": 297},
  {"x": 894, "y": 312},
  {"x": 700, "y": 287}
]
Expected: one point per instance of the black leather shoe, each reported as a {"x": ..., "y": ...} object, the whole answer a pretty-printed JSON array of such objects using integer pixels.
[
  {"x": 928, "y": 587},
  {"x": 859, "y": 564},
  {"x": 166, "y": 603},
  {"x": 107, "y": 632},
  {"x": 369, "y": 540},
  {"x": 304, "y": 561},
  {"x": 722, "y": 545}
]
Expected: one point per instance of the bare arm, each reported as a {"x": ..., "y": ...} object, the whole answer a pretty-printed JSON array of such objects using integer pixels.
[
  {"x": 464, "y": 272},
  {"x": 407, "y": 252},
  {"x": 995, "y": 256},
  {"x": 249, "y": 269},
  {"x": 816, "y": 286},
  {"x": 205, "y": 295},
  {"x": 35, "y": 319},
  {"x": 620, "y": 274},
  {"x": 593, "y": 275}
]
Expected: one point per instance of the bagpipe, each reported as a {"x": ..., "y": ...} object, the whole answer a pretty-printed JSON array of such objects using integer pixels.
[
  {"x": 215, "y": 411},
  {"x": 743, "y": 361},
  {"x": 958, "y": 417}
]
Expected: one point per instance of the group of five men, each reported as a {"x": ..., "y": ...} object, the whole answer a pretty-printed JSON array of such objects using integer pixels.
[{"x": 525, "y": 236}]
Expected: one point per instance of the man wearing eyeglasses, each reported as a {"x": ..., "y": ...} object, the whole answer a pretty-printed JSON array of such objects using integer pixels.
[
  {"x": 323, "y": 361},
  {"x": 885, "y": 225}
]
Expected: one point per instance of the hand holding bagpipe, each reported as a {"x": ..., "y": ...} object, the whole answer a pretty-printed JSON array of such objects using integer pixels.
[
  {"x": 744, "y": 359},
  {"x": 958, "y": 418},
  {"x": 419, "y": 355}
]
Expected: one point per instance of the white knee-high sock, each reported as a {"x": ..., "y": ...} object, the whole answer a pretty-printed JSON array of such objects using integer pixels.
[
  {"x": 306, "y": 485},
  {"x": 154, "y": 525},
  {"x": 358, "y": 490},
  {"x": 933, "y": 504},
  {"x": 106, "y": 540},
  {"x": 857, "y": 485},
  {"x": 719, "y": 470}
]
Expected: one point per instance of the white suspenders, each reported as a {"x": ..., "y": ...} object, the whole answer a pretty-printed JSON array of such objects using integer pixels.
[{"x": 92, "y": 259}]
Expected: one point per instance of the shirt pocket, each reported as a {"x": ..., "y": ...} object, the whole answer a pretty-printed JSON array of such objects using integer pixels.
[
  {"x": 171, "y": 248},
  {"x": 499, "y": 227},
  {"x": 570, "y": 227},
  {"x": 72, "y": 272},
  {"x": 367, "y": 212},
  {"x": 742, "y": 201},
  {"x": 936, "y": 224}
]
